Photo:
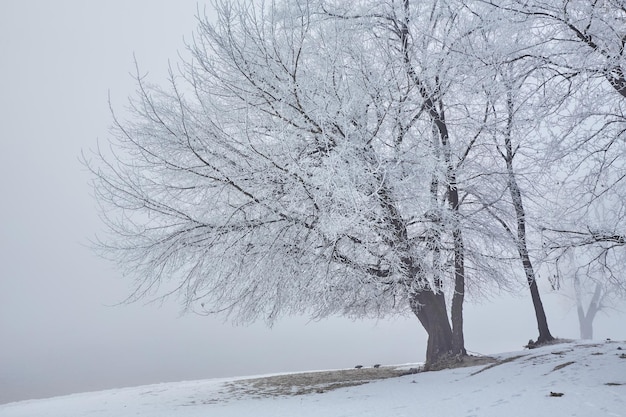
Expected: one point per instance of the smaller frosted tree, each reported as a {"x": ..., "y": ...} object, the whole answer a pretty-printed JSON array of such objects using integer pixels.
[{"x": 579, "y": 45}]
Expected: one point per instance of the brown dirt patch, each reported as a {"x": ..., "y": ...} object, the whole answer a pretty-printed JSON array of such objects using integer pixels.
[
  {"x": 310, "y": 382},
  {"x": 323, "y": 381}
]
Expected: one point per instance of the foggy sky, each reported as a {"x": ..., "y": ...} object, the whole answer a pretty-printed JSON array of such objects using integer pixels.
[{"x": 61, "y": 329}]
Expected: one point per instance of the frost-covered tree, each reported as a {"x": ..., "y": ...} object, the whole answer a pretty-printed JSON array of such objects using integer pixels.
[
  {"x": 506, "y": 112},
  {"x": 300, "y": 162},
  {"x": 580, "y": 46}
]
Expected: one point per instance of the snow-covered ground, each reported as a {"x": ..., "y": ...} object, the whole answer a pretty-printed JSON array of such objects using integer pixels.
[{"x": 591, "y": 376}]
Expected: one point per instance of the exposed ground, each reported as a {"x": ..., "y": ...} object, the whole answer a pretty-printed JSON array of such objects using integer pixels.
[
  {"x": 311, "y": 382},
  {"x": 319, "y": 382}
]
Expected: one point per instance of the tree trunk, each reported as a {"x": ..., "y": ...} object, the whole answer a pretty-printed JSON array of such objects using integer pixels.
[
  {"x": 458, "y": 340},
  {"x": 586, "y": 327},
  {"x": 542, "y": 321},
  {"x": 456, "y": 313},
  {"x": 430, "y": 309},
  {"x": 516, "y": 196},
  {"x": 585, "y": 321},
  {"x": 430, "y": 306},
  {"x": 522, "y": 248}
]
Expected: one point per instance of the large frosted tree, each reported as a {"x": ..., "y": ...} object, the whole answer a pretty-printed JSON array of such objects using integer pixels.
[{"x": 300, "y": 162}]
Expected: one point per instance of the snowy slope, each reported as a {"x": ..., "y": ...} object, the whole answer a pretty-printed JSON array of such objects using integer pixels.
[{"x": 590, "y": 375}]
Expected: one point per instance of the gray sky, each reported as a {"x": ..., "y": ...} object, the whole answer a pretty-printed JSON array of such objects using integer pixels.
[{"x": 60, "y": 331}]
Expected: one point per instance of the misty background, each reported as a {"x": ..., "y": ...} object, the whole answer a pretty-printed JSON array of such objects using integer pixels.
[{"x": 62, "y": 328}]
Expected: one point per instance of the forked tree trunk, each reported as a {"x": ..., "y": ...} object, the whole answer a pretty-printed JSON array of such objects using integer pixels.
[
  {"x": 456, "y": 313},
  {"x": 458, "y": 340},
  {"x": 585, "y": 320},
  {"x": 430, "y": 309},
  {"x": 430, "y": 306}
]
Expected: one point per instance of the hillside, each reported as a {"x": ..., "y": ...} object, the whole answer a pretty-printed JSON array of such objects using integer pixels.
[{"x": 567, "y": 379}]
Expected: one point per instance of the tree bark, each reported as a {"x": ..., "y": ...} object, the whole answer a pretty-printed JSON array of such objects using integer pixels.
[
  {"x": 516, "y": 196},
  {"x": 430, "y": 309},
  {"x": 542, "y": 321},
  {"x": 456, "y": 314},
  {"x": 458, "y": 296}
]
